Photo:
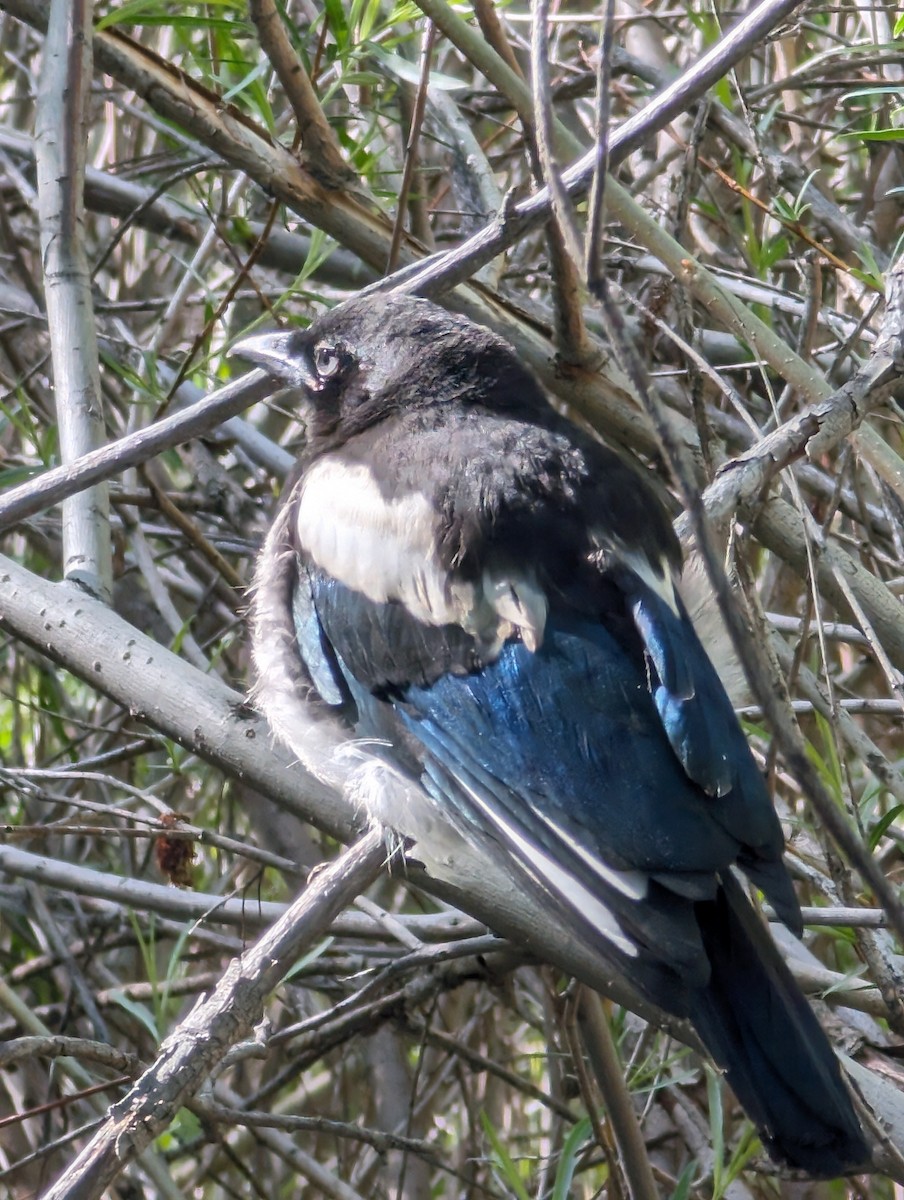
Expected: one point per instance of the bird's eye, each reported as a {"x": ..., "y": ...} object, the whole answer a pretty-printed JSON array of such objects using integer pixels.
[{"x": 327, "y": 360}]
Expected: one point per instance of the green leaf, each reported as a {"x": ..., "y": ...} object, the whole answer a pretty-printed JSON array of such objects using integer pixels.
[
  {"x": 716, "y": 1126},
  {"x": 335, "y": 16},
  {"x": 502, "y": 1160},
  {"x": 773, "y": 251},
  {"x": 130, "y": 13},
  {"x": 254, "y": 74},
  {"x": 151, "y": 14},
  {"x": 410, "y": 72},
  {"x": 888, "y": 89},
  {"x": 871, "y": 273},
  {"x": 364, "y": 17},
  {"x": 877, "y": 831},
  {"x": 876, "y": 135},
  {"x": 748, "y": 1145},
  {"x": 185, "y": 1127},
  {"x": 13, "y": 476},
  {"x": 140, "y": 1012},
  {"x": 683, "y": 1187},
  {"x": 314, "y": 953},
  {"x": 847, "y": 981},
  {"x": 403, "y": 12},
  {"x": 568, "y": 1160},
  {"x": 319, "y": 250}
]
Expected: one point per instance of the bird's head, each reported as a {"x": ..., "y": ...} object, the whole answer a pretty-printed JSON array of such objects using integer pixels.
[{"x": 381, "y": 353}]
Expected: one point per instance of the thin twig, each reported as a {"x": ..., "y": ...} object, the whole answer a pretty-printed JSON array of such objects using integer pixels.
[
  {"x": 593, "y": 257},
  {"x": 487, "y": 15},
  {"x": 414, "y": 133},
  {"x": 544, "y": 129}
]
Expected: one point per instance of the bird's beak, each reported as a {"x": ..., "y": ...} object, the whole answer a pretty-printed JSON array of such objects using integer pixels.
[{"x": 280, "y": 355}]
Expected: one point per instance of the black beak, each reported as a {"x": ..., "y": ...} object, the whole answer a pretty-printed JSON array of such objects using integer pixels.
[{"x": 282, "y": 355}]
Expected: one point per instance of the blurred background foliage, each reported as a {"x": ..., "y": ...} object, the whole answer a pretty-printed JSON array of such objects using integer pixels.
[{"x": 214, "y": 202}]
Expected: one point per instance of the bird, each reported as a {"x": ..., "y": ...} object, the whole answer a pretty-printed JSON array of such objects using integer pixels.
[{"x": 483, "y": 599}]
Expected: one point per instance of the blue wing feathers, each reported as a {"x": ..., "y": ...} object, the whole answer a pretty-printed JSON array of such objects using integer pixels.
[
  {"x": 695, "y": 712},
  {"x": 575, "y": 729},
  {"x": 572, "y": 728},
  {"x": 318, "y": 656},
  {"x": 668, "y": 931},
  {"x": 704, "y": 733}
]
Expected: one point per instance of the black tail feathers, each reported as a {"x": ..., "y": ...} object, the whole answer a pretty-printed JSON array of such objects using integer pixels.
[{"x": 761, "y": 1031}]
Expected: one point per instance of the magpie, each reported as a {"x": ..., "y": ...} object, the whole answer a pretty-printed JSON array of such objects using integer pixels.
[{"x": 484, "y": 598}]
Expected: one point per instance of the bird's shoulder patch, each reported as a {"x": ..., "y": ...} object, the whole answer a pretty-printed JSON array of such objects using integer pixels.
[
  {"x": 382, "y": 546},
  {"x": 385, "y": 547}
]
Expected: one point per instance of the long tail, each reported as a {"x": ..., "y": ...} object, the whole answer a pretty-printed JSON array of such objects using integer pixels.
[{"x": 757, "y": 1025}]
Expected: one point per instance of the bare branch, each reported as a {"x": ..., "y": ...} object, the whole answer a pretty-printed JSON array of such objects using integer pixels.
[
  {"x": 60, "y": 140},
  {"x": 215, "y": 1024}
]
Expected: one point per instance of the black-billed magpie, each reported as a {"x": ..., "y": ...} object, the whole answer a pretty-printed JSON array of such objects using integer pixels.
[{"x": 486, "y": 598}]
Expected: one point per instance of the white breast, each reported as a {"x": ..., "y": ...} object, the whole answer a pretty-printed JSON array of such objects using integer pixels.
[{"x": 386, "y": 549}]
